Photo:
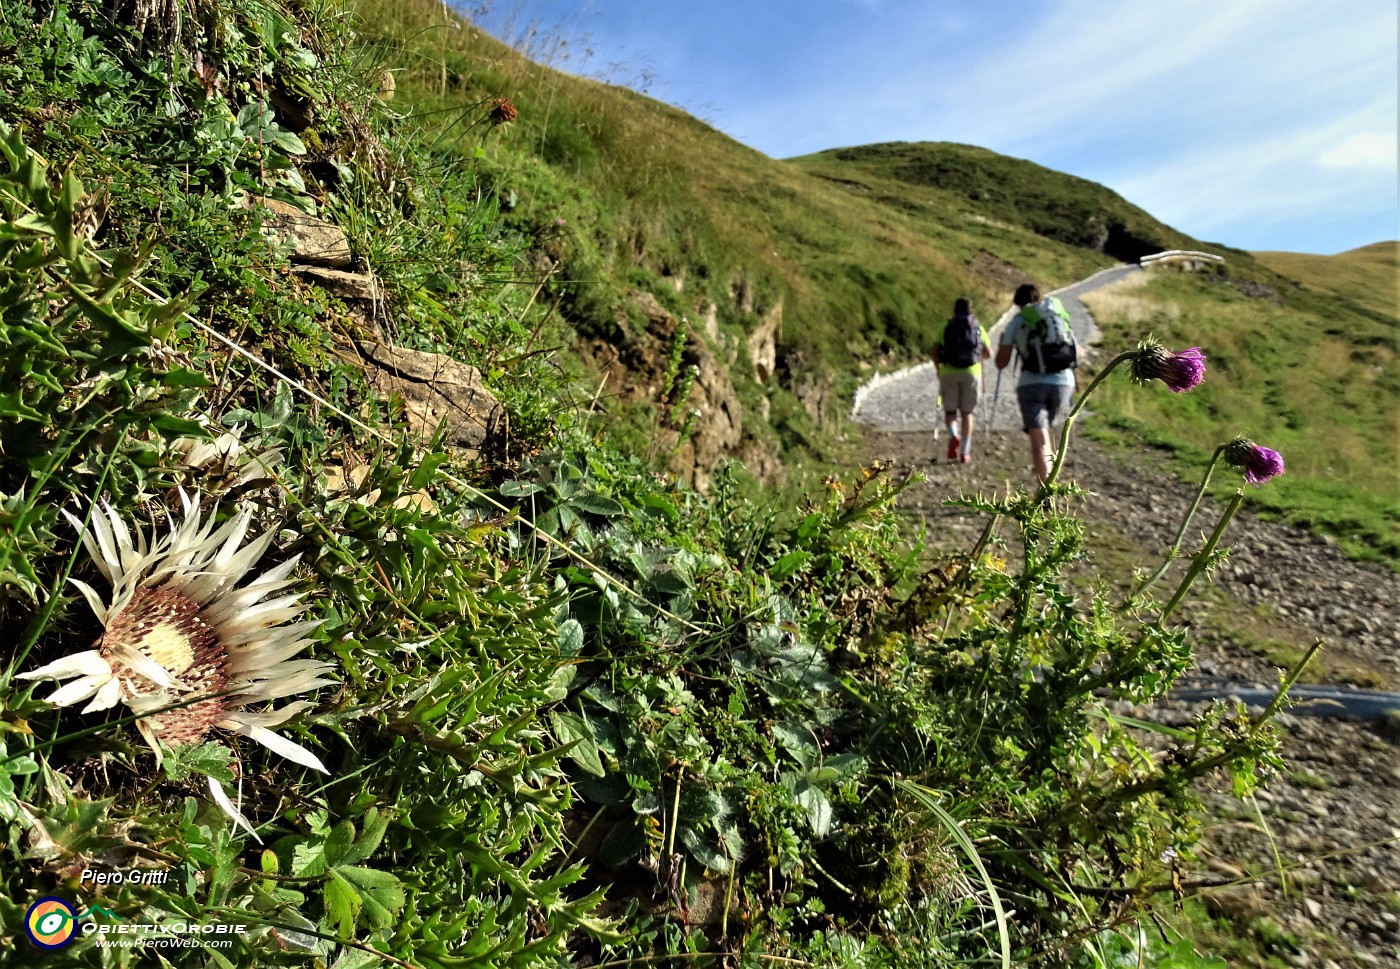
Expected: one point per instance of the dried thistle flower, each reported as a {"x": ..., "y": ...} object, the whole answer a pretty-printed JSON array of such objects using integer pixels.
[
  {"x": 178, "y": 628},
  {"x": 502, "y": 111}
]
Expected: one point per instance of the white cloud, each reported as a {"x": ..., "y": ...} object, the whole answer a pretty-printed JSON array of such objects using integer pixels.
[
  {"x": 1366, "y": 150},
  {"x": 1269, "y": 179}
]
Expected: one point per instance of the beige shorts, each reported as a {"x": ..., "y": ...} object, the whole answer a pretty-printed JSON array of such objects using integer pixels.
[{"x": 959, "y": 392}]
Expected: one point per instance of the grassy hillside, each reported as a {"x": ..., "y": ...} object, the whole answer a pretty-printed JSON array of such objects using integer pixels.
[
  {"x": 939, "y": 179},
  {"x": 1369, "y": 276},
  {"x": 654, "y": 199},
  {"x": 853, "y": 254}
]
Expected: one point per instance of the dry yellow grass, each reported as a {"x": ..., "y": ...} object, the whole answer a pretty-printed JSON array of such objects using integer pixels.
[{"x": 1118, "y": 301}]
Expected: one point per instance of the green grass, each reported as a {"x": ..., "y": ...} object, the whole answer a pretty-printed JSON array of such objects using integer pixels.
[
  {"x": 1368, "y": 276},
  {"x": 1309, "y": 376}
]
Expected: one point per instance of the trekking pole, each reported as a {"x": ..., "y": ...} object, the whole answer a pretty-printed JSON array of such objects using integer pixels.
[{"x": 996, "y": 395}]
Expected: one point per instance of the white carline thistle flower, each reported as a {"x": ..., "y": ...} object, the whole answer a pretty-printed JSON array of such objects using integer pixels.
[{"x": 177, "y": 627}]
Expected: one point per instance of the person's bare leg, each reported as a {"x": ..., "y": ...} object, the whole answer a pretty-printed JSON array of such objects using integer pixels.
[
  {"x": 967, "y": 434},
  {"x": 1040, "y": 452}
]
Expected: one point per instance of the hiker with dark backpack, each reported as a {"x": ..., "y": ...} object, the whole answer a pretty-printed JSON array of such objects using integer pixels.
[
  {"x": 1043, "y": 339},
  {"x": 959, "y": 347}
]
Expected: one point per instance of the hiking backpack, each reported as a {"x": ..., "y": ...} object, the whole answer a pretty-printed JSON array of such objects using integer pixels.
[
  {"x": 962, "y": 342},
  {"x": 1046, "y": 343}
]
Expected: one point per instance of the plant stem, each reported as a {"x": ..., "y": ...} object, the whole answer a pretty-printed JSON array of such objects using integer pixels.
[
  {"x": 1175, "y": 548},
  {"x": 1203, "y": 556},
  {"x": 1285, "y": 686},
  {"x": 1069, "y": 421}
]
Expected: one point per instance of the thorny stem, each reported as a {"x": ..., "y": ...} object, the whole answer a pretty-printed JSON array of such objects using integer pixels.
[
  {"x": 1175, "y": 548},
  {"x": 1289, "y": 679},
  {"x": 1069, "y": 421},
  {"x": 1203, "y": 556}
]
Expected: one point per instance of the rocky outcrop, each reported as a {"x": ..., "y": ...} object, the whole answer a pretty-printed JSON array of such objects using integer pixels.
[
  {"x": 434, "y": 388},
  {"x": 344, "y": 284},
  {"x": 308, "y": 238},
  {"x": 763, "y": 344},
  {"x": 635, "y": 367}
]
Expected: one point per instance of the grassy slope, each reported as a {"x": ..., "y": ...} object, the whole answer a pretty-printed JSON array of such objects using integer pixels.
[
  {"x": 1368, "y": 276},
  {"x": 1311, "y": 375},
  {"x": 864, "y": 247},
  {"x": 652, "y": 196}
]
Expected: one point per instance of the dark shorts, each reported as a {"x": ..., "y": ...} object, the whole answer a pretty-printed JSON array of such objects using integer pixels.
[{"x": 1041, "y": 404}]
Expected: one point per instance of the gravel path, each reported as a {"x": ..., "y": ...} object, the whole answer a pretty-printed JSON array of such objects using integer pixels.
[{"x": 907, "y": 400}]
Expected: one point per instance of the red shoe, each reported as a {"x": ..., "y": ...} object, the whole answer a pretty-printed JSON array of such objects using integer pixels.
[
  {"x": 965, "y": 458},
  {"x": 953, "y": 445}
]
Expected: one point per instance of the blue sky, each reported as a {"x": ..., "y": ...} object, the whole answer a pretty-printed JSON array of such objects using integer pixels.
[{"x": 1262, "y": 124}]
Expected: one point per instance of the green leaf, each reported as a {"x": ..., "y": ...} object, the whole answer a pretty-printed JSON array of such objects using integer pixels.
[
  {"x": 381, "y": 894},
  {"x": 179, "y": 425},
  {"x": 181, "y": 377},
  {"x": 208, "y": 760},
  {"x": 818, "y": 808},
  {"x": 376, "y": 824},
  {"x": 671, "y": 582},
  {"x": 571, "y": 728},
  {"x": 790, "y": 563},
  {"x": 570, "y": 638},
  {"x": 661, "y": 507},
  {"x": 343, "y": 903},
  {"x": 519, "y": 489},
  {"x": 706, "y": 850},
  {"x": 810, "y": 526},
  {"x": 426, "y": 469},
  {"x": 597, "y": 505}
]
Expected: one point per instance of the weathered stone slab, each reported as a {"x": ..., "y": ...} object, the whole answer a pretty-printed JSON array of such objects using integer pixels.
[
  {"x": 310, "y": 240},
  {"x": 434, "y": 388},
  {"x": 344, "y": 284}
]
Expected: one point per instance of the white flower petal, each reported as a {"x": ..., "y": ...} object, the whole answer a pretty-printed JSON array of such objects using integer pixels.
[
  {"x": 265, "y": 718},
  {"x": 108, "y": 696},
  {"x": 147, "y": 667},
  {"x": 148, "y": 729},
  {"x": 77, "y": 691},
  {"x": 216, "y": 790},
  {"x": 278, "y": 744},
  {"x": 87, "y": 663},
  {"x": 94, "y": 600}
]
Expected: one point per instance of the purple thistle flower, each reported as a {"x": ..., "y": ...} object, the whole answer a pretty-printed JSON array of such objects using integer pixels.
[
  {"x": 1184, "y": 370},
  {"x": 1179, "y": 371},
  {"x": 1259, "y": 464}
]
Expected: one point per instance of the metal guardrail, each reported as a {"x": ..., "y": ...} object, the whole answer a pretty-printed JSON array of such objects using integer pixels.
[{"x": 1179, "y": 254}]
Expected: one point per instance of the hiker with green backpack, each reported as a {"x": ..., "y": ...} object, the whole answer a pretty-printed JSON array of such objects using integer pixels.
[
  {"x": 959, "y": 347},
  {"x": 1043, "y": 339}
]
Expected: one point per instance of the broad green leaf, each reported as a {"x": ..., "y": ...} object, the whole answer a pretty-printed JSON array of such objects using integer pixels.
[
  {"x": 790, "y": 563},
  {"x": 343, "y": 903},
  {"x": 381, "y": 895},
  {"x": 597, "y": 505},
  {"x": 571, "y": 728}
]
